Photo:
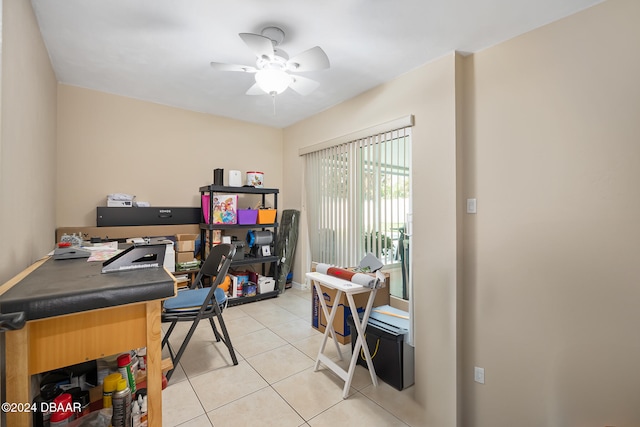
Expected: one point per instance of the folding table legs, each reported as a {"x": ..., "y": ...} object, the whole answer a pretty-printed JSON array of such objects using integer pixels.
[
  {"x": 361, "y": 326},
  {"x": 329, "y": 329},
  {"x": 360, "y": 344}
]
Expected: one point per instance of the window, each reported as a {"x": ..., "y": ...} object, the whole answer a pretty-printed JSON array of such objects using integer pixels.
[
  {"x": 358, "y": 197},
  {"x": 384, "y": 191}
]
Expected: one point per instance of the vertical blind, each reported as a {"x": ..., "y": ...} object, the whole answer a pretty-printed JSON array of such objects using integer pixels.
[{"x": 358, "y": 197}]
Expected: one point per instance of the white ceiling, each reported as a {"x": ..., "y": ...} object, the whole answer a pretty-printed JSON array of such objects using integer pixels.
[{"x": 160, "y": 50}]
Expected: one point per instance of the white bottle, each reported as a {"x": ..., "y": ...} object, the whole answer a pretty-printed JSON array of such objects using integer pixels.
[
  {"x": 143, "y": 412},
  {"x": 135, "y": 414}
]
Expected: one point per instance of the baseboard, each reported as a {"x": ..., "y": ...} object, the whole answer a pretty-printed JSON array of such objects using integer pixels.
[{"x": 300, "y": 286}]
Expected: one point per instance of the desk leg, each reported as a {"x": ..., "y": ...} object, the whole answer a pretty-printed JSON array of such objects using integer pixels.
[
  {"x": 360, "y": 342},
  {"x": 329, "y": 328},
  {"x": 18, "y": 379},
  {"x": 154, "y": 362}
]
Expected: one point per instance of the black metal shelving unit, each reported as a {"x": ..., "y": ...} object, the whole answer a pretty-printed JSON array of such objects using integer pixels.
[{"x": 206, "y": 234}]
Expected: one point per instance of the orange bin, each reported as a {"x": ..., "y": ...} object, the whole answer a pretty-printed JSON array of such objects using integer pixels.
[{"x": 266, "y": 216}]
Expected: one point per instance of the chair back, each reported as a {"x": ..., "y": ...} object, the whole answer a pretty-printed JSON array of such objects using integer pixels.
[{"x": 216, "y": 265}]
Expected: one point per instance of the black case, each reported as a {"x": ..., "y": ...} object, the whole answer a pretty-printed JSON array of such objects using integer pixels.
[
  {"x": 122, "y": 217},
  {"x": 393, "y": 360}
]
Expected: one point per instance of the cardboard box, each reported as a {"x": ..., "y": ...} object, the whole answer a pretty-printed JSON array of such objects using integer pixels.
[
  {"x": 340, "y": 324},
  {"x": 186, "y": 243},
  {"x": 184, "y": 257}
]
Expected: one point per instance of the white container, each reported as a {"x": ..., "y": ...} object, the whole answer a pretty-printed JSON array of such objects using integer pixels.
[
  {"x": 235, "y": 179},
  {"x": 266, "y": 284},
  {"x": 255, "y": 179}
]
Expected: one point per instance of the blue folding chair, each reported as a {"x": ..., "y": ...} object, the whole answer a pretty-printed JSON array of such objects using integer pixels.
[{"x": 200, "y": 302}]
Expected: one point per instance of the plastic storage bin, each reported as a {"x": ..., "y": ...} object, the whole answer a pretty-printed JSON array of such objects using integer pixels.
[
  {"x": 266, "y": 284},
  {"x": 247, "y": 216},
  {"x": 266, "y": 216}
]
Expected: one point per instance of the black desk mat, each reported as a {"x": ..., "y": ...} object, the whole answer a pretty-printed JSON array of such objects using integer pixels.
[{"x": 60, "y": 287}]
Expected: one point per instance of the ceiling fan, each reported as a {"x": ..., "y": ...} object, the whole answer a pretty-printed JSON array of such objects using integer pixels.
[{"x": 274, "y": 67}]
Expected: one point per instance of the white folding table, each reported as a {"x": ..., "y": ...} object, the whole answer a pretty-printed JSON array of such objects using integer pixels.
[{"x": 349, "y": 289}]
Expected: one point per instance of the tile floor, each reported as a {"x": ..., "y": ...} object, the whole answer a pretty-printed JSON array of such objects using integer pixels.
[{"x": 274, "y": 383}]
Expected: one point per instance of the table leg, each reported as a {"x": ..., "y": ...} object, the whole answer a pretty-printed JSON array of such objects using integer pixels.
[
  {"x": 17, "y": 374},
  {"x": 360, "y": 342},
  {"x": 330, "y": 316},
  {"x": 154, "y": 362}
]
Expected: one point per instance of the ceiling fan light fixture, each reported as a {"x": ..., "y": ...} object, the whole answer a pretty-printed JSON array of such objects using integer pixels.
[
  {"x": 273, "y": 81},
  {"x": 275, "y": 34},
  {"x": 273, "y": 65}
]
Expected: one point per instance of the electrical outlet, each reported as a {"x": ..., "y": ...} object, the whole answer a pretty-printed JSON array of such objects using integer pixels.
[{"x": 478, "y": 375}]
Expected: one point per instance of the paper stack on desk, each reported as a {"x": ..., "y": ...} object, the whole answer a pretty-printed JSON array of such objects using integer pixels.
[{"x": 120, "y": 200}]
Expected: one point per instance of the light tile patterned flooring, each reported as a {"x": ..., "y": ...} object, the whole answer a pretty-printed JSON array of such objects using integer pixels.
[{"x": 274, "y": 383}]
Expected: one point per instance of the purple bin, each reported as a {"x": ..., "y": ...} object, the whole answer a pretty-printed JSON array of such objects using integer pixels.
[{"x": 247, "y": 216}]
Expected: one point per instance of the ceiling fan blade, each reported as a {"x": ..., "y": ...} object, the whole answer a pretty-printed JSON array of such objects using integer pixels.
[
  {"x": 309, "y": 60},
  {"x": 218, "y": 66},
  {"x": 260, "y": 45},
  {"x": 255, "y": 90},
  {"x": 303, "y": 85}
]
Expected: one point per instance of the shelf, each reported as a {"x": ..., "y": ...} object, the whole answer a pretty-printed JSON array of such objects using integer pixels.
[
  {"x": 254, "y": 260},
  {"x": 207, "y": 231},
  {"x": 243, "y": 300},
  {"x": 204, "y": 226},
  {"x": 241, "y": 190}
]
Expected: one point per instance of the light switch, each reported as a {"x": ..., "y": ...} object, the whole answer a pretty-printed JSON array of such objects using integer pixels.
[
  {"x": 471, "y": 206},
  {"x": 478, "y": 375}
]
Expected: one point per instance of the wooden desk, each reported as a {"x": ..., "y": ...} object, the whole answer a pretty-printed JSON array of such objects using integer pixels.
[
  {"x": 349, "y": 289},
  {"x": 75, "y": 314}
]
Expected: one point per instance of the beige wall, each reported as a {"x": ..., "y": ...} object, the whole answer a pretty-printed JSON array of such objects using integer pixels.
[
  {"x": 112, "y": 144},
  {"x": 27, "y": 142},
  {"x": 429, "y": 94},
  {"x": 551, "y": 267}
]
